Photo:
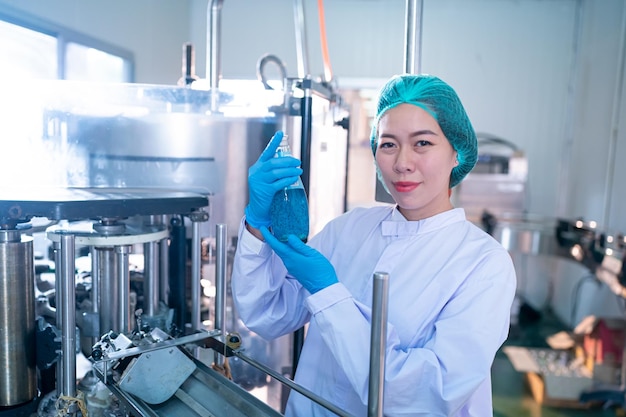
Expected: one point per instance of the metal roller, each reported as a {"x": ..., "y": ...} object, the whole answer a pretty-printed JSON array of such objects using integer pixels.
[{"x": 18, "y": 379}]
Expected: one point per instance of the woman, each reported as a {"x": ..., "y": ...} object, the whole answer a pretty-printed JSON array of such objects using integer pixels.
[{"x": 451, "y": 285}]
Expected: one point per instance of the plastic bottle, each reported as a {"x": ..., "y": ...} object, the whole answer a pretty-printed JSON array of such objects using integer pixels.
[{"x": 289, "y": 210}]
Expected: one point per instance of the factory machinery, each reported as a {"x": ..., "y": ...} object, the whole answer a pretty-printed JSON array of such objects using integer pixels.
[
  {"x": 133, "y": 206},
  {"x": 119, "y": 213},
  {"x": 117, "y": 236},
  {"x": 135, "y": 218}
]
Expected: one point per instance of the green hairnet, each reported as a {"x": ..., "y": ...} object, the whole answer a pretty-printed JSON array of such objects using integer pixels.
[{"x": 441, "y": 101}]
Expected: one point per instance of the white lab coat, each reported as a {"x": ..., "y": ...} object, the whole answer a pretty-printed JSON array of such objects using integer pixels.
[{"x": 451, "y": 287}]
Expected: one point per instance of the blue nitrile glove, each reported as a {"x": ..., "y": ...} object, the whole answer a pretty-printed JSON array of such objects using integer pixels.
[
  {"x": 267, "y": 176},
  {"x": 303, "y": 262}
]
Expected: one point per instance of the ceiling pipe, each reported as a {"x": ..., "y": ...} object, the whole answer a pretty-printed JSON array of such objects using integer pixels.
[
  {"x": 413, "y": 41},
  {"x": 213, "y": 56},
  {"x": 302, "y": 52}
]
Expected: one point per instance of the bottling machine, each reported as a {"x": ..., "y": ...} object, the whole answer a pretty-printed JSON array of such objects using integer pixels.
[
  {"x": 119, "y": 213},
  {"x": 140, "y": 197}
]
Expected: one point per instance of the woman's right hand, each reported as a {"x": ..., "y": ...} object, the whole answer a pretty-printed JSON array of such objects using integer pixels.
[{"x": 267, "y": 176}]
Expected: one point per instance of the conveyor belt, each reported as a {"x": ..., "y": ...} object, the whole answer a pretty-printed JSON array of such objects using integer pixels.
[{"x": 206, "y": 393}]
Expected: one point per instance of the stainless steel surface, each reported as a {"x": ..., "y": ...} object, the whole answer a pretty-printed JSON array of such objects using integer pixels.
[
  {"x": 109, "y": 282},
  {"x": 155, "y": 376},
  {"x": 302, "y": 50},
  {"x": 205, "y": 391},
  {"x": 151, "y": 278},
  {"x": 220, "y": 282},
  {"x": 18, "y": 379},
  {"x": 527, "y": 234},
  {"x": 195, "y": 276},
  {"x": 185, "y": 151},
  {"x": 164, "y": 287},
  {"x": 413, "y": 41},
  {"x": 378, "y": 344},
  {"x": 66, "y": 291},
  {"x": 95, "y": 301},
  {"x": 213, "y": 65},
  {"x": 126, "y": 322}
]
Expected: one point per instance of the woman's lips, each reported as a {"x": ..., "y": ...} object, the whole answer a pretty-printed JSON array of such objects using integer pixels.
[{"x": 404, "y": 186}]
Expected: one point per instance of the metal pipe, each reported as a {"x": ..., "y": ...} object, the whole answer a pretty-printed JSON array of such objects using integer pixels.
[
  {"x": 95, "y": 281},
  {"x": 58, "y": 311},
  {"x": 615, "y": 123},
  {"x": 164, "y": 287},
  {"x": 269, "y": 371},
  {"x": 18, "y": 380},
  {"x": 150, "y": 278},
  {"x": 302, "y": 52},
  {"x": 108, "y": 301},
  {"x": 220, "y": 282},
  {"x": 413, "y": 41},
  {"x": 378, "y": 344},
  {"x": 95, "y": 293},
  {"x": 123, "y": 272},
  {"x": 565, "y": 165},
  {"x": 67, "y": 299},
  {"x": 196, "y": 299},
  {"x": 214, "y": 22}
]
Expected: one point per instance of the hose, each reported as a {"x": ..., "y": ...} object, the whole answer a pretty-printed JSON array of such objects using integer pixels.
[{"x": 328, "y": 73}]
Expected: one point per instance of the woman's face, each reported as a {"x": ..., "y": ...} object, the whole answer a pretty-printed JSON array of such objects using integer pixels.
[{"x": 415, "y": 160}]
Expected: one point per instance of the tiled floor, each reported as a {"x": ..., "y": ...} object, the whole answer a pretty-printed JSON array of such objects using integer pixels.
[{"x": 512, "y": 397}]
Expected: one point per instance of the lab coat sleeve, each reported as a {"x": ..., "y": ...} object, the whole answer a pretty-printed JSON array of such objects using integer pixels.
[
  {"x": 268, "y": 302},
  {"x": 437, "y": 377}
]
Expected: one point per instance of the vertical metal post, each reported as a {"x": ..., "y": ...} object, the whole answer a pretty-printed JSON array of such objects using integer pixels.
[
  {"x": 413, "y": 41},
  {"x": 213, "y": 66},
  {"x": 178, "y": 272},
  {"x": 95, "y": 290},
  {"x": 302, "y": 51},
  {"x": 95, "y": 280},
  {"x": 151, "y": 278},
  {"x": 220, "y": 282},
  {"x": 18, "y": 380},
  {"x": 164, "y": 288},
  {"x": 195, "y": 276},
  {"x": 307, "y": 125},
  {"x": 108, "y": 300},
  {"x": 378, "y": 344},
  {"x": 125, "y": 315},
  {"x": 68, "y": 314}
]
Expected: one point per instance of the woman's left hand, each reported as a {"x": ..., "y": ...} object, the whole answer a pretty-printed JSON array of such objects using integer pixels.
[{"x": 303, "y": 262}]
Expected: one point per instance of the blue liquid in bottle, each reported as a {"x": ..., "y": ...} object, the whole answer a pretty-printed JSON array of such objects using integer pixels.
[{"x": 289, "y": 211}]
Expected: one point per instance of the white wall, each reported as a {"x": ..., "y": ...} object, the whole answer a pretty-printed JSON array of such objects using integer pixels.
[
  {"x": 153, "y": 30},
  {"x": 541, "y": 73}
]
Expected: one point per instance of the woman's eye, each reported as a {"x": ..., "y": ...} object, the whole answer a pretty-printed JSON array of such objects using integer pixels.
[
  {"x": 421, "y": 143},
  {"x": 386, "y": 145}
]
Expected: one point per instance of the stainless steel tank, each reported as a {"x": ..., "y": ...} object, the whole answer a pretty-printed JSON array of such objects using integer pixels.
[
  {"x": 159, "y": 137},
  {"x": 18, "y": 379}
]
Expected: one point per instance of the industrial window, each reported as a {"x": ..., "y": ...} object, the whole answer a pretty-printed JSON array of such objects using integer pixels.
[{"x": 35, "y": 49}]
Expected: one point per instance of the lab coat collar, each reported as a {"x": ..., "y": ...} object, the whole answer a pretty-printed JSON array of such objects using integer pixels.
[{"x": 398, "y": 225}]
